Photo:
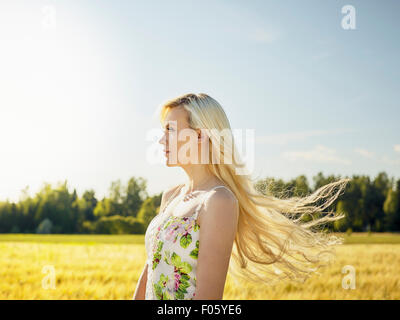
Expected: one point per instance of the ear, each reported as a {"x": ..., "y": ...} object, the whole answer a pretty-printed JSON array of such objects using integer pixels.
[{"x": 201, "y": 135}]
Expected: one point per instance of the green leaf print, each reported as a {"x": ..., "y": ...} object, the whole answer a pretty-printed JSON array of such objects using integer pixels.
[
  {"x": 195, "y": 227},
  {"x": 160, "y": 286},
  {"x": 175, "y": 259},
  {"x": 184, "y": 285},
  {"x": 168, "y": 223},
  {"x": 179, "y": 295},
  {"x": 195, "y": 252},
  {"x": 183, "y": 267},
  {"x": 160, "y": 295},
  {"x": 157, "y": 255},
  {"x": 163, "y": 279},
  {"x": 167, "y": 296},
  {"x": 182, "y": 289},
  {"x": 185, "y": 277},
  {"x": 186, "y": 240},
  {"x": 158, "y": 291}
]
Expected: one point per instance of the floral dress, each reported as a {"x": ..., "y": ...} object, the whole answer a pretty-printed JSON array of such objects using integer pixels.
[{"x": 172, "y": 246}]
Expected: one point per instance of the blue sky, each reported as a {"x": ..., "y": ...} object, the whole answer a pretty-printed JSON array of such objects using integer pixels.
[{"x": 81, "y": 81}]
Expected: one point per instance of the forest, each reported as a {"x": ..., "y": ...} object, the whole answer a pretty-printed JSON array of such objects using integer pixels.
[{"x": 368, "y": 204}]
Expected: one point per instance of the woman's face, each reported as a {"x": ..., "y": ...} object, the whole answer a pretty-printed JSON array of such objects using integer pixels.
[{"x": 179, "y": 140}]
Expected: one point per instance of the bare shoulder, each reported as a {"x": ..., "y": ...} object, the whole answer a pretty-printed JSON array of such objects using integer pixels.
[
  {"x": 222, "y": 197},
  {"x": 167, "y": 194},
  {"x": 221, "y": 206}
]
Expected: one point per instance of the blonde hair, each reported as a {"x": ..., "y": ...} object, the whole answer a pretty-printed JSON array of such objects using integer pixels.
[{"x": 273, "y": 242}]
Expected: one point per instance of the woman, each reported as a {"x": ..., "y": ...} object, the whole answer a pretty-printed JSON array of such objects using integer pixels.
[{"x": 218, "y": 213}]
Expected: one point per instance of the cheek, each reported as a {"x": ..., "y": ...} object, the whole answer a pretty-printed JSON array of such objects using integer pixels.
[
  {"x": 180, "y": 144},
  {"x": 170, "y": 138}
]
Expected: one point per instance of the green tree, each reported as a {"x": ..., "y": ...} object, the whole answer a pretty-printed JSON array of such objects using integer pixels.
[
  {"x": 116, "y": 198},
  {"x": 55, "y": 204},
  {"x": 391, "y": 209},
  {"x": 45, "y": 226},
  {"x": 103, "y": 208},
  {"x": 90, "y": 203},
  {"x": 135, "y": 193},
  {"x": 148, "y": 211}
]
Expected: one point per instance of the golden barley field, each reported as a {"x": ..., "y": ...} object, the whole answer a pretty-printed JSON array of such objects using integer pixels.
[{"x": 108, "y": 267}]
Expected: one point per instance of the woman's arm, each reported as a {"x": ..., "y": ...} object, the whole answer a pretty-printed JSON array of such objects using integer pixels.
[
  {"x": 218, "y": 226},
  {"x": 140, "y": 291}
]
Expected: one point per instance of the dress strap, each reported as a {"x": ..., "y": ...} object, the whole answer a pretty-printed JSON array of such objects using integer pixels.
[{"x": 205, "y": 197}]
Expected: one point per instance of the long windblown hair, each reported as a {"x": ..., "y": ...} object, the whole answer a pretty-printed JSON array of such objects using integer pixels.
[{"x": 274, "y": 240}]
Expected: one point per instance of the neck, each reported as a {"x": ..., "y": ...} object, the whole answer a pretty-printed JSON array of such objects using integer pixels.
[{"x": 199, "y": 177}]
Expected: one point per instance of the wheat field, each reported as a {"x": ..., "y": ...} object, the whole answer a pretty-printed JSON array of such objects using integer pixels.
[{"x": 108, "y": 267}]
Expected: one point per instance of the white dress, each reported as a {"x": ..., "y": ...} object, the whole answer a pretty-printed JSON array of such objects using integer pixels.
[{"x": 172, "y": 246}]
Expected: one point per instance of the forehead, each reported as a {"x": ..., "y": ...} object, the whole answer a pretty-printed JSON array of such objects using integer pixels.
[{"x": 178, "y": 114}]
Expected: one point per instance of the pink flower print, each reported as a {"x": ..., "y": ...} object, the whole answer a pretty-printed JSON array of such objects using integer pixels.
[
  {"x": 173, "y": 231},
  {"x": 185, "y": 234},
  {"x": 177, "y": 281},
  {"x": 170, "y": 235},
  {"x": 188, "y": 227}
]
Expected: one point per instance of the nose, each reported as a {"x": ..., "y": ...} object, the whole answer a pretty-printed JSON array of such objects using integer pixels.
[{"x": 163, "y": 139}]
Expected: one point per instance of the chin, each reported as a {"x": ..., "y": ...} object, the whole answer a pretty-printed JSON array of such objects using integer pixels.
[{"x": 171, "y": 164}]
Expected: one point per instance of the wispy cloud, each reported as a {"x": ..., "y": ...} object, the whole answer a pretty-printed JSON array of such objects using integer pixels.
[
  {"x": 383, "y": 159},
  {"x": 319, "y": 154},
  {"x": 365, "y": 153},
  {"x": 387, "y": 160},
  {"x": 284, "y": 138}
]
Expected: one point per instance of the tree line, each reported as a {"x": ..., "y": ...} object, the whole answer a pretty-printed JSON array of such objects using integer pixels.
[{"x": 369, "y": 205}]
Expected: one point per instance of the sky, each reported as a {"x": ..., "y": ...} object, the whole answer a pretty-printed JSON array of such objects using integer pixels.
[{"x": 80, "y": 83}]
